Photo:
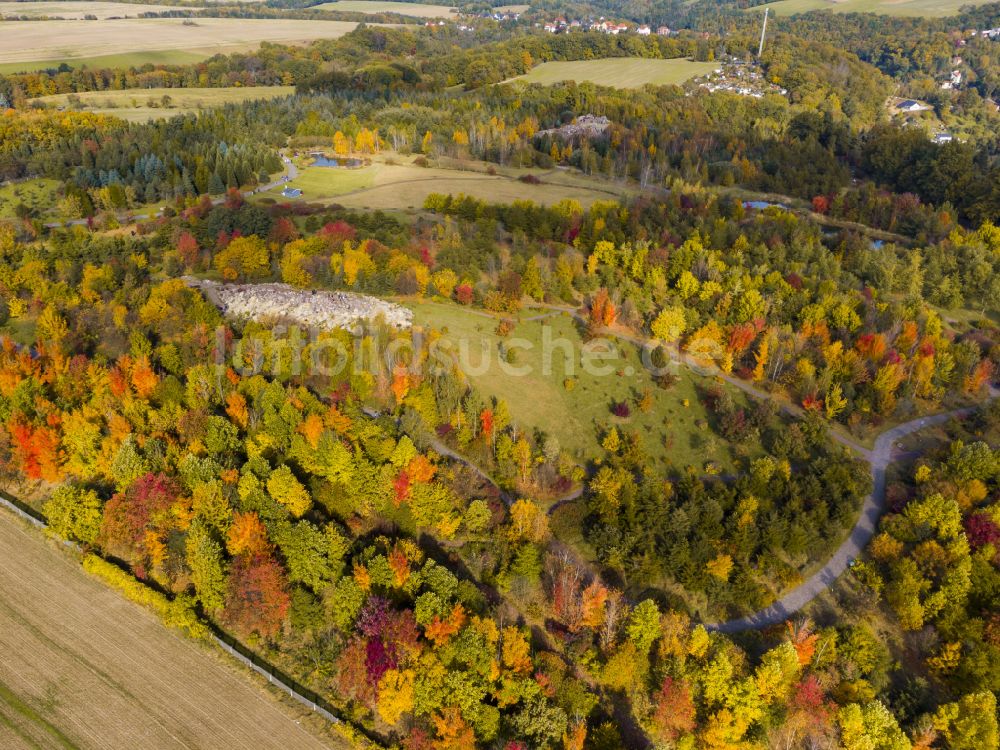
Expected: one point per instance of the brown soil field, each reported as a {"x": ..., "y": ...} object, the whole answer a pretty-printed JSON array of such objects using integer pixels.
[
  {"x": 82, "y": 668},
  {"x": 25, "y": 41},
  {"x": 77, "y": 9}
]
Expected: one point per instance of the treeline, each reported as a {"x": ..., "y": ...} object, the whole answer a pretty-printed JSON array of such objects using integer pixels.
[{"x": 135, "y": 163}]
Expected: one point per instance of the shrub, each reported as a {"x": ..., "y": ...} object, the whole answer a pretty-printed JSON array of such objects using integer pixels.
[
  {"x": 177, "y": 613},
  {"x": 621, "y": 410},
  {"x": 529, "y": 179}
]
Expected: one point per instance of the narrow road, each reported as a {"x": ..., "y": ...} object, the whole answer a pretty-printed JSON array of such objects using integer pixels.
[{"x": 874, "y": 506}]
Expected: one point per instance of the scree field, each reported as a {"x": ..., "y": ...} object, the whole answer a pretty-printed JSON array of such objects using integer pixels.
[{"x": 418, "y": 10}]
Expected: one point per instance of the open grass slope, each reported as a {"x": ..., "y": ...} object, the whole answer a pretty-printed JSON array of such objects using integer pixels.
[
  {"x": 417, "y": 10},
  {"x": 39, "y": 195},
  {"x": 405, "y": 186},
  {"x": 140, "y": 105},
  {"x": 122, "y": 60},
  {"x": 619, "y": 72},
  {"x": 926, "y": 8},
  {"x": 77, "y": 9},
  {"x": 75, "y": 42},
  {"x": 81, "y": 668},
  {"x": 673, "y": 433}
]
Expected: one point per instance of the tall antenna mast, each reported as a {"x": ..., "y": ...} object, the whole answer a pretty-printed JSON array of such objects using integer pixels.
[{"x": 763, "y": 31}]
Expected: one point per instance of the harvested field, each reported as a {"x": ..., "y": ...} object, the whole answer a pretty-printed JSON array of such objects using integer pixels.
[
  {"x": 74, "y": 9},
  {"x": 81, "y": 667},
  {"x": 417, "y": 10},
  {"x": 924, "y": 8},
  {"x": 140, "y": 105},
  {"x": 57, "y": 41}
]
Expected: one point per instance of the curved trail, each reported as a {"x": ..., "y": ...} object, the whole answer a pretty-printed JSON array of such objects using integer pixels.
[
  {"x": 874, "y": 506},
  {"x": 878, "y": 460}
]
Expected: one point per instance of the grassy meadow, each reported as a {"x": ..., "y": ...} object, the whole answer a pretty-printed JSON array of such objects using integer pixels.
[
  {"x": 38, "y": 195},
  {"x": 135, "y": 41},
  {"x": 400, "y": 187},
  {"x": 619, "y": 72},
  {"x": 140, "y": 105},
  {"x": 675, "y": 431},
  {"x": 925, "y": 8},
  {"x": 416, "y": 10}
]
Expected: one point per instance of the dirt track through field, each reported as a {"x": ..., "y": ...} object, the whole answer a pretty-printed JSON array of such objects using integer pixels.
[{"x": 81, "y": 667}]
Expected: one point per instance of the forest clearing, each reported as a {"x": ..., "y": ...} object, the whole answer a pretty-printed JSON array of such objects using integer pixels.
[
  {"x": 406, "y": 186},
  {"x": 575, "y": 406},
  {"x": 141, "y": 105},
  {"x": 84, "y": 668},
  {"x": 619, "y": 72}
]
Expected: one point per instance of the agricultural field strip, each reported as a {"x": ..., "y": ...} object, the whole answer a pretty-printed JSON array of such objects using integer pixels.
[
  {"x": 148, "y": 662},
  {"x": 415, "y": 10},
  {"x": 71, "y": 9},
  {"x": 149, "y": 658},
  {"x": 912, "y": 8},
  {"x": 50, "y": 40}
]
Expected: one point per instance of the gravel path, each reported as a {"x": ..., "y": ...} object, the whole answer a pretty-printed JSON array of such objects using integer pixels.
[
  {"x": 878, "y": 460},
  {"x": 874, "y": 506}
]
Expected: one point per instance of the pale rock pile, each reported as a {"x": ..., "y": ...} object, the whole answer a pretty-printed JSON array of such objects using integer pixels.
[
  {"x": 305, "y": 307},
  {"x": 585, "y": 126}
]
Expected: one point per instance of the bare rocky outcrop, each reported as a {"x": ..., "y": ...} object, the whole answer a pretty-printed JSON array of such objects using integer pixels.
[
  {"x": 583, "y": 127},
  {"x": 305, "y": 307}
]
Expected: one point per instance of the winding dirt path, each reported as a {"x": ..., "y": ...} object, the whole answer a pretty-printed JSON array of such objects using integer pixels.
[
  {"x": 878, "y": 458},
  {"x": 874, "y": 506}
]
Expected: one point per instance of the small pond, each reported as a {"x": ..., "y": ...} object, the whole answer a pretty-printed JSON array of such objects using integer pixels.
[
  {"x": 761, "y": 205},
  {"x": 320, "y": 160}
]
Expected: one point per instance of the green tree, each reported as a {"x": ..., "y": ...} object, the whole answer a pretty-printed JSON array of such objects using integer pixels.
[
  {"x": 74, "y": 513},
  {"x": 204, "y": 558},
  {"x": 643, "y": 625}
]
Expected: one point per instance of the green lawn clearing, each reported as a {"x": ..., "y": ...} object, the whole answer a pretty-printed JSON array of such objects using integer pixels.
[
  {"x": 571, "y": 404},
  {"x": 619, "y": 72},
  {"x": 323, "y": 183},
  {"x": 407, "y": 187},
  {"x": 141, "y": 105},
  {"x": 38, "y": 195}
]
